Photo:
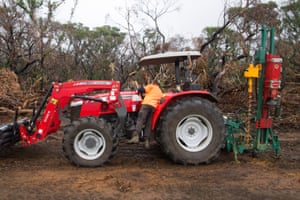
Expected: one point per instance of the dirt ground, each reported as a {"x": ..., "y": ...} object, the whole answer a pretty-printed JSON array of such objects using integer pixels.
[{"x": 40, "y": 171}]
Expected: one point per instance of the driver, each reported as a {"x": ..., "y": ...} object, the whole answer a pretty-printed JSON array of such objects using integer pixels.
[{"x": 152, "y": 95}]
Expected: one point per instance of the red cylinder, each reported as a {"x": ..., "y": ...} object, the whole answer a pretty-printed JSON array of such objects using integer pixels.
[{"x": 272, "y": 74}]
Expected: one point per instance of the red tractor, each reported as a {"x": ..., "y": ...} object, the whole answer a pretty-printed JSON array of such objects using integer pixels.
[{"x": 187, "y": 125}]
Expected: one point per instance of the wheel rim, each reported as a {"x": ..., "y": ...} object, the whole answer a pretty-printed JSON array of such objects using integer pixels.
[
  {"x": 194, "y": 133},
  {"x": 89, "y": 144}
]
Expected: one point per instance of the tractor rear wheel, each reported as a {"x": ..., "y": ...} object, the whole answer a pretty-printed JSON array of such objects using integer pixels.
[
  {"x": 89, "y": 142},
  {"x": 192, "y": 131}
]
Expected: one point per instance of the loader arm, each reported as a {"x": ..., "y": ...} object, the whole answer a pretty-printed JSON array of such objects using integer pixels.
[{"x": 61, "y": 96}]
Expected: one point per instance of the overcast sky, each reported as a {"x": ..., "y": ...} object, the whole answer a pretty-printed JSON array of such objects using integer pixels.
[{"x": 189, "y": 21}]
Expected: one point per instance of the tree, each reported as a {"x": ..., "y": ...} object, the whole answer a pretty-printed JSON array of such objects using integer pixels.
[
  {"x": 235, "y": 40},
  {"x": 93, "y": 52},
  {"x": 143, "y": 38},
  {"x": 41, "y": 28},
  {"x": 156, "y": 9},
  {"x": 104, "y": 43},
  {"x": 13, "y": 36},
  {"x": 289, "y": 45}
]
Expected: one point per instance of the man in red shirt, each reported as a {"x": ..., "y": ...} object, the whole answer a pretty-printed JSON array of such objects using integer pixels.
[{"x": 153, "y": 94}]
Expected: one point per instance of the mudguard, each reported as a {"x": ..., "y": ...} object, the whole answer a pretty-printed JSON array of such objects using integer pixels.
[{"x": 170, "y": 97}]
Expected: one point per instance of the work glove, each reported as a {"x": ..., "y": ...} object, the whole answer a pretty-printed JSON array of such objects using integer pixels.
[{"x": 141, "y": 90}]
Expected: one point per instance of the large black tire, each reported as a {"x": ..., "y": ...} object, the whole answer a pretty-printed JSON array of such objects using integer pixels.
[
  {"x": 89, "y": 142},
  {"x": 192, "y": 131}
]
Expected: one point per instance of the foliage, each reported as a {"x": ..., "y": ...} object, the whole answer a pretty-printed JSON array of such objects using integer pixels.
[
  {"x": 93, "y": 52},
  {"x": 232, "y": 49},
  {"x": 35, "y": 46},
  {"x": 289, "y": 44}
]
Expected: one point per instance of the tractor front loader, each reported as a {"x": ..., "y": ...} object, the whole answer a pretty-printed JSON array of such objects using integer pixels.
[{"x": 94, "y": 140}]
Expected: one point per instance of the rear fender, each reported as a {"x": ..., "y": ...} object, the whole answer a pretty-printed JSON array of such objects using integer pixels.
[{"x": 171, "y": 97}]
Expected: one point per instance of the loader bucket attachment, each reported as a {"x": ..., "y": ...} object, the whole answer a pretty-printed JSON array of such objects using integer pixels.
[{"x": 9, "y": 133}]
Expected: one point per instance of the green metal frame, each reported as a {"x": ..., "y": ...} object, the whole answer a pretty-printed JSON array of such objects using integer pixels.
[{"x": 262, "y": 139}]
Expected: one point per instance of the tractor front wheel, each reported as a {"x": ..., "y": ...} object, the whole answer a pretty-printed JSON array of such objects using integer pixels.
[{"x": 88, "y": 142}]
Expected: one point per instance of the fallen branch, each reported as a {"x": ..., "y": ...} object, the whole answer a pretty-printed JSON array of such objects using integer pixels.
[{"x": 4, "y": 110}]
